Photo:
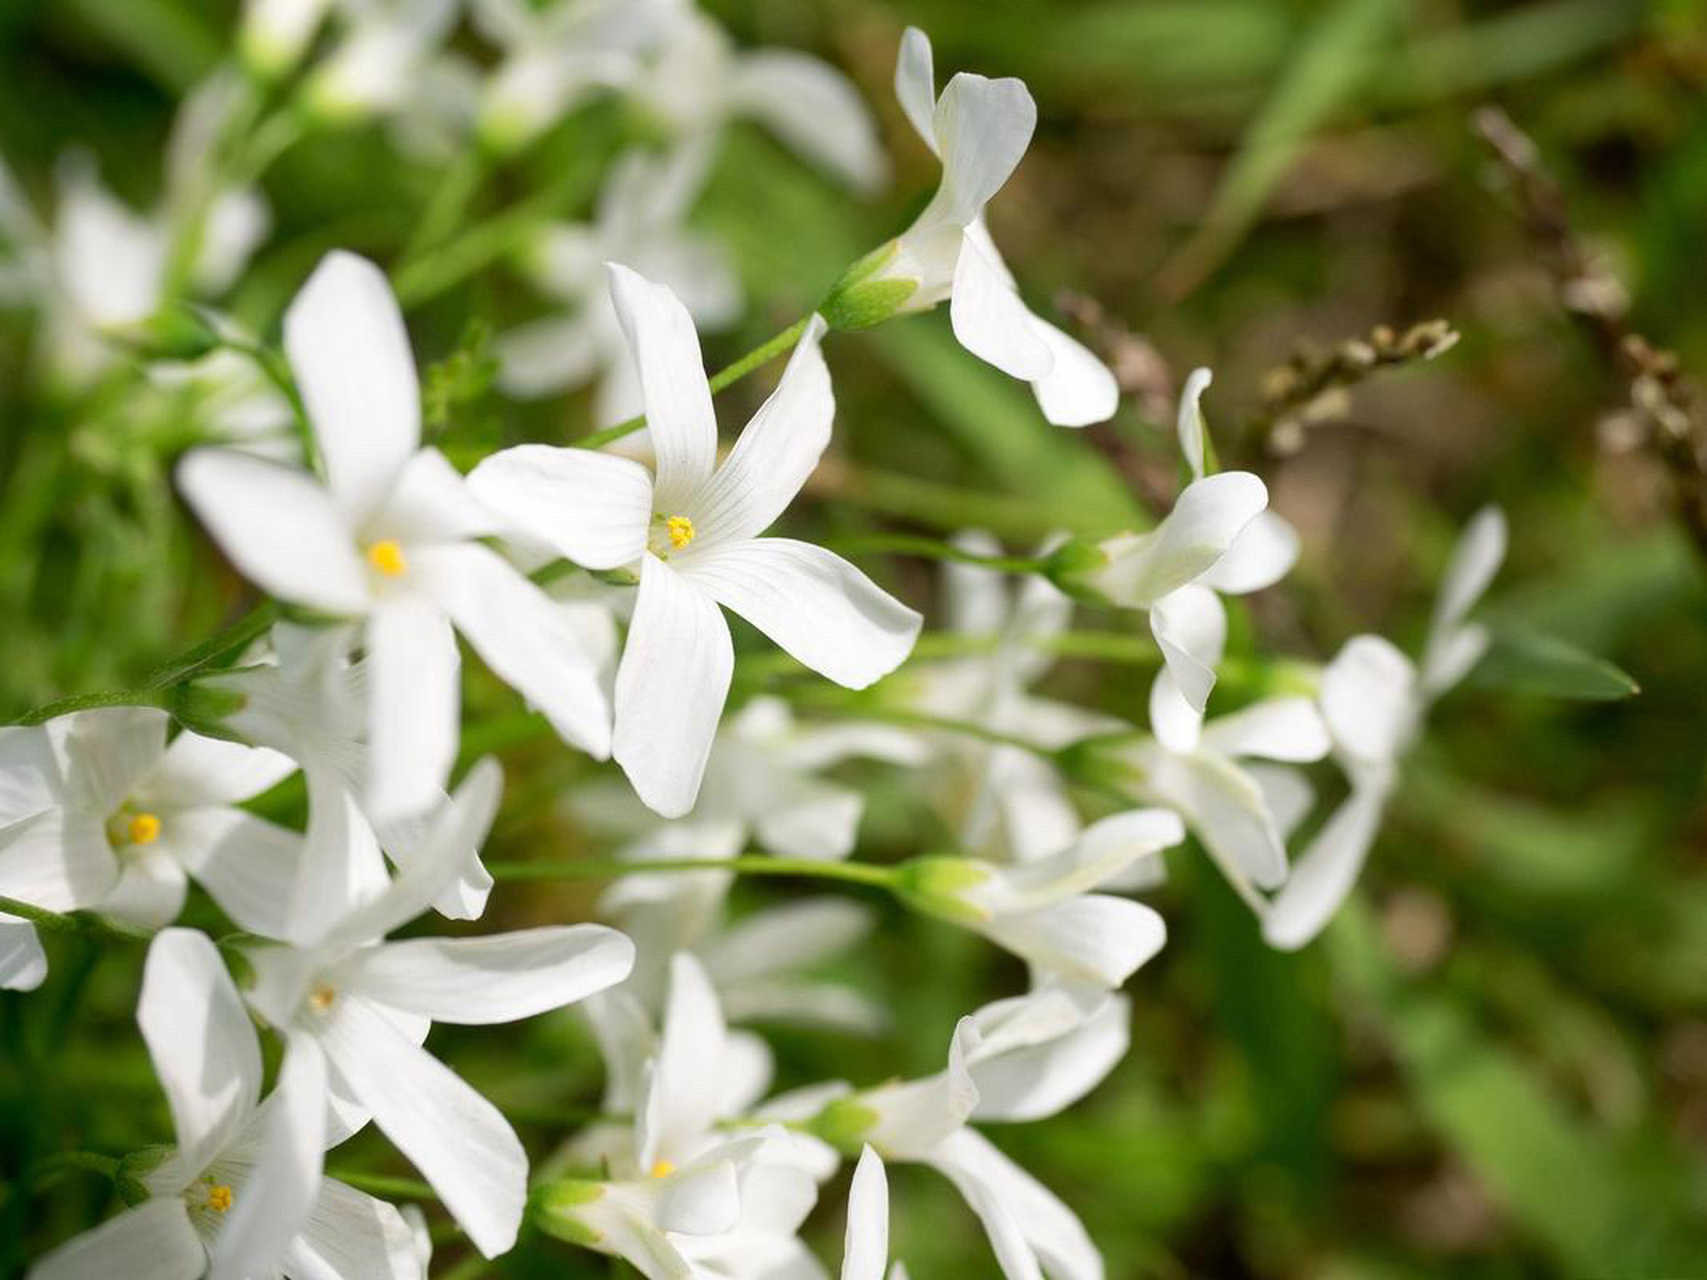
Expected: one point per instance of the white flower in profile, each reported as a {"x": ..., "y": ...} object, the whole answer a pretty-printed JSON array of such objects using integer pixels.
[
  {"x": 108, "y": 816},
  {"x": 640, "y": 221},
  {"x": 1374, "y": 700},
  {"x": 1044, "y": 910},
  {"x": 392, "y": 537},
  {"x": 1016, "y": 1060},
  {"x": 1190, "y": 622},
  {"x": 684, "y": 1198},
  {"x": 223, "y": 1203},
  {"x": 697, "y": 82},
  {"x": 980, "y": 128},
  {"x": 361, "y": 1008},
  {"x": 555, "y": 55},
  {"x": 693, "y": 528}
]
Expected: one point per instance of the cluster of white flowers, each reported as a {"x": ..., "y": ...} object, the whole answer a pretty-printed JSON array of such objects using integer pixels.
[{"x": 382, "y": 553}]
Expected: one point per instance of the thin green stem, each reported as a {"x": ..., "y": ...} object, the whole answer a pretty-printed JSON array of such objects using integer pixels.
[
  {"x": 747, "y": 864},
  {"x": 94, "y": 1162},
  {"x": 825, "y": 700},
  {"x": 456, "y": 187},
  {"x": 930, "y": 548},
  {"x": 727, "y": 376},
  {"x": 61, "y": 922},
  {"x": 385, "y": 1185}
]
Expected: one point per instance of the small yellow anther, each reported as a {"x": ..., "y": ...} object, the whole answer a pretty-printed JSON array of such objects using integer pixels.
[
  {"x": 680, "y": 529},
  {"x": 662, "y": 1168},
  {"x": 143, "y": 828},
  {"x": 387, "y": 556},
  {"x": 219, "y": 1197},
  {"x": 321, "y": 996}
]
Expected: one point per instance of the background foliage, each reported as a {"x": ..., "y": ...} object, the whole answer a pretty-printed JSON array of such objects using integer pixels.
[{"x": 1496, "y": 1063}]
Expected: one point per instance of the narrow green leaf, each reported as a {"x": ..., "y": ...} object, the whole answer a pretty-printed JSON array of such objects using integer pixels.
[{"x": 1534, "y": 662}]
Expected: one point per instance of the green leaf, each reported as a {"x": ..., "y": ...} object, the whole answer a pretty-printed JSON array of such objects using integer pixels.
[{"x": 1534, "y": 662}]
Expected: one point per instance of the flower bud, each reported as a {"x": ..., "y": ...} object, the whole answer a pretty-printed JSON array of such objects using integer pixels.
[
  {"x": 941, "y": 885},
  {"x": 556, "y": 1210},
  {"x": 864, "y": 296}
]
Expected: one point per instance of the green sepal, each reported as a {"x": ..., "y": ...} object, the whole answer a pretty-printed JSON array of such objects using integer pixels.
[
  {"x": 936, "y": 884},
  {"x": 553, "y": 1206},
  {"x": 843, "y": 1123}
]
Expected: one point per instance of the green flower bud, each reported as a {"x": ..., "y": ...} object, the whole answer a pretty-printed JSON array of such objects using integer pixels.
[
  {"x": 555, "y": 1210},
  {"x": 937, "y": 885}
]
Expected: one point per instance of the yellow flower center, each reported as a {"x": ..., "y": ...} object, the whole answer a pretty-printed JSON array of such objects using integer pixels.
[
  {"x": 387, "y": 556},
  {"x": 219, "y": 1197},
  {"x": 680, "y": 529},
  {"x": 321, "y": 996},
  {"x": 662, "y": 1168},
  {"x": 143, "y": 828}
]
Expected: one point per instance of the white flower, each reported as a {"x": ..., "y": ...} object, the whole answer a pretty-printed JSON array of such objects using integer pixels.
[
  {"x": 275, "y": 33},
  {"x": 363, "y": 1007},
  {"x": 392, "y": 537},
  {"x": 698, "y": 82},
  {"x": 1043, "y": 911},
  {"x": 1015, "y": 1060},
  {"x": 693, "y": 527},
  {"x": 375, "y": 65},
  {"x": 640, "y": 221},
  {"x": 224, "y": 1203},
  {"x": 865, "y": 1246},
  {"x": 684, "y": 1198},
  {"x": 980, "y": 128},
  {"x": 1190, "y": 623},
  {"x": 1374, "y": 700},
  {"x": 119, "y": 820}
]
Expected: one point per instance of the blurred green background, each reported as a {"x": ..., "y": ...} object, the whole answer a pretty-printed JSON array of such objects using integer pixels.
[{"x": 1495, "y": 1064}]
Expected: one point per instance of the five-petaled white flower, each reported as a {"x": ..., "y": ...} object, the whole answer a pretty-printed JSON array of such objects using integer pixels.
[
  {"x": 235, "y": 1198},
  {"x": 392, "y": 536},
  {"x": 693, "y": 527},
  {"x": 980, "y": 128}
]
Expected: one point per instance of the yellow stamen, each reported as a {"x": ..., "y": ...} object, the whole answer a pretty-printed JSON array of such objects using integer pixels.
[
  {"x": 680, "y": 529},
  {"x": 387, "y": 556},
  {"x": 143, "y": 828},
  {"x": 219, "y": 1197},
  {"x": 321, "y": 996},
  {"x": 662, "y": 1168}
]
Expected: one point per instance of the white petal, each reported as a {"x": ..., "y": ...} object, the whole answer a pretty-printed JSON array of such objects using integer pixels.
[
  {"x": 777, "y": 451},
  {"x": 1287, "y": 793},
  {"x": 811, "y": 819},
  {"x": 1326, "y": 870},
  {"x": 413, "y": 701},
  {"x": 701, "y": 1202},
  {"x": 1079, "y": 389},
  {"x": 430, "y": 502},
  {"x": 211, "y": 771},
  {"x": 815, "y": 605},
  {"x": 670, "y": 688},
  {"x": 248, "y": 865},
  {"x": 153, "y": 1241},
  {"x": 961, "y": 1160},
  {"x": 1225, "y": 810},
  {"x": 1044, "y": 1077},
  {"x": 865, "y": 1249},
  {"x": 1102, "y": 850},
  {"x": 792, "y": 935},
  {"x": 339, "y": 867},
  {"x": 915, "y": 84},
  {"x": 672, "y": 378},
  {"x": 1209, "y": 515},
  {"x": 458, "y": 1140},
  {"x": 345, "y": 339},
  {"x": 498, "y": 978},
  {"x": 1190, "y": 627},
  {"x": 1477, "y": 558},
  {"x": 991, "y": 321},
  {"x": 525, "y": 638},
  {"x": 278, "y": 526},
  {"x": 349, "y": 1233},
  {"x": 811, "y": 106},
  {"x": 199, "y": 1036},
  {"x": 685, "y": 1090},
  {"x": 274, "y": 1203},
  {"x": 1050, "y": 1227},
  {"x": 982, "y": 128},
  {"x": 1288, "y": 728},
  {"x": 1191, "y": 425},
  {"x": 1092, "y": 938},
  {"x": 592, "y": 508},
  {"x": 149, "y": 893},
  {"x": 29, "y": 773},
  {"x": 23, "y": 963},
  {"x": 107, "y": 752},
  {"x": 58, "y": 860},
  {"x": 914, "y": 1116},
  {"x": 1262, "y": 554},
  {"x": 550, "y": 355},
  {"x": 1369, "y": 699}
]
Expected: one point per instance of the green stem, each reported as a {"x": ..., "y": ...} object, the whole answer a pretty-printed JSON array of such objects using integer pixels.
[
  {"x": 105, "y": 1166},
  {"x": 941, "y": 506},
  {"x": 384, "y": 1185},
  {"x": 930, "y": 548},
  {"x": 60, "y": 922},
  {"x": 747, "y": 864},
  {"x": 456, "y": 187},
  {"x": 826, "y": 700},
  {"x": 727, "y": 376}
]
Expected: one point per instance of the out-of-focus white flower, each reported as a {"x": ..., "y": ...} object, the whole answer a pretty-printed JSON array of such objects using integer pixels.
[
  {"x": 1190, "y": 623},
  {"x": 1044, "y": 911},
  {"x": 639, "y": 222},
  {"x": 391, "y": 537},
  {"x": 980, "y": 128},
  {"x": 698, "y": 82},
  {"x": 119, "y": 820},
  {"x": 693, "y": 528},
  {"x": 275, "y": 33},
  {"x": 1374, "y": 700},
  {"x": 227, "y": 1202},
  {"x": 233, "y": 401},
  {"x": 359, "y": 1009},
  {"x": 385, "y": 46},
  {"x": 1015, "y": 1060},
  {"x": 684, "y": 1198}
]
